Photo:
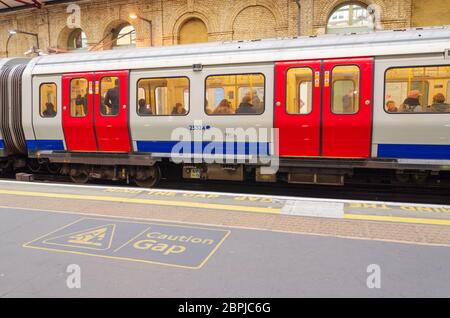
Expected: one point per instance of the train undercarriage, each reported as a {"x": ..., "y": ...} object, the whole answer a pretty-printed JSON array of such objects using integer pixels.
[{"x": 147, "y": 172}]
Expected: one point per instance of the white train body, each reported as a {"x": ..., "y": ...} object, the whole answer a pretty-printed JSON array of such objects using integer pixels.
[{"x": 418, "y": 139}]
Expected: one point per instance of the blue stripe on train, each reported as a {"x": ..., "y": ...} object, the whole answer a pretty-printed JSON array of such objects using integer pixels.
[
  {"x": 2, "y": 144},
  {"x": 414, "y": 151},
  {"x": 35, "y": 145},
  {"x": 233, "y": 148}
]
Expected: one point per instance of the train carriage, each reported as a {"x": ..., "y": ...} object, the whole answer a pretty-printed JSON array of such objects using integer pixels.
[{"x": 320, "y": 101}]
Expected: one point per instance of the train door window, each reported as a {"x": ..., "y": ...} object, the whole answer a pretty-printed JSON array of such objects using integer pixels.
[
  {"x": 163, "y": 96},
  {"x": 235, "y": 94},
  {"x": 109, "y": 96},
  {"x": 299, "y": 91},
  {"x": 47, "y": 100},
  {"x": 345, "y": 89},
  {"x": 417, "y": 89},
  {"x": 78, "y": 97}
]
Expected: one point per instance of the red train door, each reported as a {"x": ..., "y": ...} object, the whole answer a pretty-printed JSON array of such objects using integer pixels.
[
  {"x": 347, "y": 108},
  {"x": 77, "y": 115},
  {"x": 324, "y": 108},
  {"x": 95, "y": 112},
  {"x": 111, "y": 111},
  {"x": 297, "y": 108}
]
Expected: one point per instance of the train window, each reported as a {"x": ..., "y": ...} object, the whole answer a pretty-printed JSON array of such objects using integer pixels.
[
  {"x": 48, "y": 106},
  {"x": 417, "y": 89},
  {"x": 345, "y": 89},
  {"x": 299, "y": 91},
  {"x": 78, "y": 97},
  {"x": 163, "y": 96},
  {"x": 109, "y": 96},
  {"x": 236, "y": 94}
]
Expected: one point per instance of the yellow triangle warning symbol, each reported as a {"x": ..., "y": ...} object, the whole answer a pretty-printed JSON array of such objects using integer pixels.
[{"x": 97, "y": 238}]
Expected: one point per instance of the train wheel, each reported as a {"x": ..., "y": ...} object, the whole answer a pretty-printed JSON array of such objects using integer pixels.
[
  {"x": 80, "y": 179},
  {"x": 53, "y": 168},
  {"x": 34, "y": 166},
  {"x": 148, "y": 177},
  {"x": 79, "y": 175}
]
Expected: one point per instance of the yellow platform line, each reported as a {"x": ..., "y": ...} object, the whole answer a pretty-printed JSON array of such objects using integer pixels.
[
  {"x": 200, "y": 205},
  {"x": 396, "y": 219},
  {"x": 225, "y": 207}
]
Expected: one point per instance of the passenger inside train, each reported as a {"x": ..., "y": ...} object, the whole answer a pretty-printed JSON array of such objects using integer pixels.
[
  {"x": 224, "y": 108},
  {"x": 439, "y": 105},
  {"x": 246, "y": 107},
  {"x": 48, "y": 100},
  {"x": 49, "y": 110},
  {"x": 112, "y": 97},
  {"x": 144, "y": 108},
  {"x": 163, "y": 96},
  {"x": 412, "y": 101},
  {"x": 178, "y": 109},
  {"x": 346, "y": 89},
  {"x": 80, "y": 103},
  {"x": 78, "y": 97},
  {"x": 235, "y": 94},
  {"x": 418, "y": 89},
  {"x": 391, "y": 107}
]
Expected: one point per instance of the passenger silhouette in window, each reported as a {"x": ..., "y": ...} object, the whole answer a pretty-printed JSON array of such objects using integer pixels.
[
  {"x": 49, "y": 110},
  {"x": 347, "y": 102},
  {"x": 439, "y": 105},
  {"x": 224, "y": 108},
  {"x": 246, "y": 107},
  {"x": 144, "y": 109},
  {"x": 412, "y": 102},
  {"x": 178, "y": 109},
  {"x": 80, "y": 106},
  {"x": 112, "y": 99},
  {"x": 391, "y": 107}
]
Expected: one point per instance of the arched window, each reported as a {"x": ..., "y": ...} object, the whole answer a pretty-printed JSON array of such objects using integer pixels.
[
  {"x": 248, "y": 26},
  {"x": 125, "y": 37},
  {"x": 349, "y": 18},
  {"x": 193, "y": 31},
  {"x": 77, "y": 40}
]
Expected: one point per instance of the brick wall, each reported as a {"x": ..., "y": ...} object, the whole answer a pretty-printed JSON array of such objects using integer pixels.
[
  {"x": 224, "y": 19},
  {"x": 430, "y": 12}
]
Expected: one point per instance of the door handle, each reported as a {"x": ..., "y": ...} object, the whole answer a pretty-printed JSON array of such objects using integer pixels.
[{"x": 124, "y": 106}]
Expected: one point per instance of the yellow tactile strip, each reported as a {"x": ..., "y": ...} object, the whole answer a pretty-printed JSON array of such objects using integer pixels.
[
  {"x": 358, "y": 229},
  {"x": 208, "y": 206}
]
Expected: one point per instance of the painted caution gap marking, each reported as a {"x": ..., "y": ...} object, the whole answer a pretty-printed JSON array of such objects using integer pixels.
[
  {"x": 98, "y": 238},
  {"x": 156, "y": 243}
]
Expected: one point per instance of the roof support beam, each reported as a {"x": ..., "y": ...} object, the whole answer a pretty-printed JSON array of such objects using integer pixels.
[
  {"x": 35, "y": 3},
  {"x": 23, "y": 2},
  {"x": 5, "y": 4}
]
